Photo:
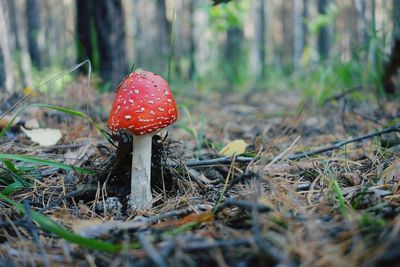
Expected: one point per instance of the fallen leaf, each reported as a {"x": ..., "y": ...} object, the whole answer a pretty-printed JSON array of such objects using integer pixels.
[
  {"x": 198, "y": 218},
  {"x": 206, "y": 217},
  {"x": 43, "y": 136},
  {"x": 235, "y": 147},
  {"x": 29, "y": 91}
]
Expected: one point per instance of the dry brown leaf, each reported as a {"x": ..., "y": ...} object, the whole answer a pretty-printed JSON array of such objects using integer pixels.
[{"x": 206, "y": 217}]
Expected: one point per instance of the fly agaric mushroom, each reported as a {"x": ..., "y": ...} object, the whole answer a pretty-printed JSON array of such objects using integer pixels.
[{"x": 143, "y": 105}]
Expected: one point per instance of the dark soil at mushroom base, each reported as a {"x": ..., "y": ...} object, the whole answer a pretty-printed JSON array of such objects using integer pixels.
[{"x": 338, "y": 208}]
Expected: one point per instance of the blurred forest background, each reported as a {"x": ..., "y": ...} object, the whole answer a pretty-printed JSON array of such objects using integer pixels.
[{"x": 318, "y": 46}]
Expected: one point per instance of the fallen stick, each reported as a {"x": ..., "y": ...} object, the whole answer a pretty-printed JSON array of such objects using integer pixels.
[
  {"x": 296, "y": 156},
  {"x": 340, "y": 144}
]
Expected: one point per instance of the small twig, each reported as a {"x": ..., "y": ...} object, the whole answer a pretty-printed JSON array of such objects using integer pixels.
[
  {"x": 344, "y": 93},
  {"x": 173, "y": 213},
  {"x": 340, "y": 144},
  {"x": 153, "y": 254},
  {"x": 221, "y": 160},
  {"x": 62, "y": 198},
  {"x": 32, "y": 228},
  {"x": 296, "y": 156}
]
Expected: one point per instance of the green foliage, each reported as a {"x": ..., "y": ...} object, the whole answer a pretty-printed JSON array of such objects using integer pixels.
[
  {"x": 333, "y": 76},
  {"x": 229, "y": 15},
  {"x": 322, "y": 20},
  {"x": 40, "y": 161},
  {"x": 228, "y": 18},
  {"x": 320, "y": 81},
  {"x": 51, "y": 226},
  {"x": 339, "y": 196},
  {"x": 370, "y": 221},
  {"x": 18, "y": 178},
  {"x": 13, "y": 178},
  {"x": 336, "y": 189}
]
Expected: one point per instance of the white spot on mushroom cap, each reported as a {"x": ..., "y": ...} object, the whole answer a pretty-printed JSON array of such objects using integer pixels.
[{"x": 140, "y": 110}]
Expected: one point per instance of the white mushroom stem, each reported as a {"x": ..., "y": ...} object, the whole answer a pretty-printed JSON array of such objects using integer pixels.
[{"x": 141, "y": 172}]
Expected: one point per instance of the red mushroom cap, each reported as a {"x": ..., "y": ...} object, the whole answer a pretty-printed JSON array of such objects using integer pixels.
[{"x": 143, "y": 104}]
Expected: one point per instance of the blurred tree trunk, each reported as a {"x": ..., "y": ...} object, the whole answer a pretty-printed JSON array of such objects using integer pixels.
[
  {"x": 393, "y": 63},
  {"x": 361, "y": 6},
  {"x": 138, "y": 33},
  {"x": 21, "y": 41},
  {"x": 6, "y": 60},
  {"x": 298, "y": 36},
  {"x": 232, "y": 63},
  {"x": 32, "y": 11},
  {"x": 372, "y": 49},
  {"x": 163, "y": 42},
  {"x": 260, "y": 26},
  {"x": 323, "y": 36},
  {"x": 110, "y": 31},
  {"x": 84, "y": 32},
  {"x": 287, "y": 33},
  {"x": 192, "y": 46},
  {"x": 304, "y": 17}
]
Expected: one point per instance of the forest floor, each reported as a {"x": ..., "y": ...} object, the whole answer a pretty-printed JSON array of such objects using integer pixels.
[{"x": 268, "y": 207}]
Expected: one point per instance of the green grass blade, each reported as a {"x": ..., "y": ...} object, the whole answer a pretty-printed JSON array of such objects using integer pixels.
[
  {"x": 340, "y": 198},
  {"x": 51, "y": 226},
  {"x": 11, "y": 188},
  {"x": 46, "y": 162}
]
